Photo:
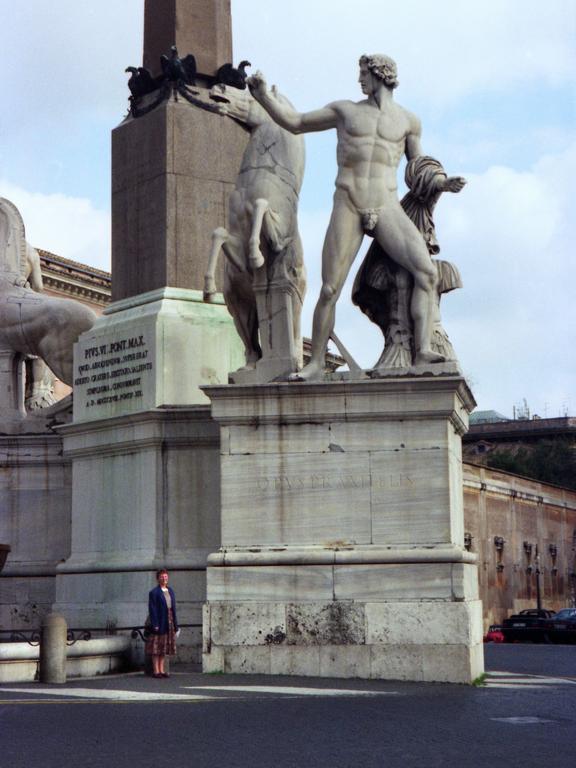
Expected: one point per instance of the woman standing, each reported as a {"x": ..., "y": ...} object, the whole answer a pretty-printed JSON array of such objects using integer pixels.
[{"x": 162, "y": 612}]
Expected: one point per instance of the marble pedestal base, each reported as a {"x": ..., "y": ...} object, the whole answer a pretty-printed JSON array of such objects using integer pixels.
[
  {"x": 342, "y": 532},
  {"x": 35, "y": 491},
  {"x": 153, "y": 350},
  {"x": 145, "y": 495},
  {"x": 382, "y": 639}
]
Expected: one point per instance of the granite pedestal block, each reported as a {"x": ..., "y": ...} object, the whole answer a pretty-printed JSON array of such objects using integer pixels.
[{"x": 342, "y": 532}]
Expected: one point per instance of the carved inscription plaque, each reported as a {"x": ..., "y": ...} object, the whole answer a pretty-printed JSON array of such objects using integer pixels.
[
  {"x": 296, "y": 498},
  {"x": 112, "y": 371}
]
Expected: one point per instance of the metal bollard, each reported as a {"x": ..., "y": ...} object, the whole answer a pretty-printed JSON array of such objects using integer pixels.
[{"x": 53, "y": 649}]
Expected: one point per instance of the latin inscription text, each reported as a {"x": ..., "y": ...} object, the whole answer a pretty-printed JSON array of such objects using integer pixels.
[{"x": 113, "y": 372}]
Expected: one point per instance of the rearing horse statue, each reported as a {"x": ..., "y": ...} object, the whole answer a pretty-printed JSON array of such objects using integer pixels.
[
  {"x": 264, "y": 274},
  {"x": 31, "y": 324}
]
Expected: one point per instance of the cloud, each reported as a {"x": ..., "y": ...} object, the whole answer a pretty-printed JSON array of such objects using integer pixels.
[
  {"x": 443, "y": 52},
  {"x": 308, "y": 49},
  {"x": 514, "y": 322},
  {"x": 513, "y": 325},
  {"x": 67, "y": 226}
]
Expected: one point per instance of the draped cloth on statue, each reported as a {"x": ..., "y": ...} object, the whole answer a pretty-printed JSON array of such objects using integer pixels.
[{"x": 382, "y": 288}]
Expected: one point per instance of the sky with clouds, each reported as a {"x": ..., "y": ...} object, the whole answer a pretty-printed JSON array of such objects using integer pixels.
[{"x": 493, "y": 81}]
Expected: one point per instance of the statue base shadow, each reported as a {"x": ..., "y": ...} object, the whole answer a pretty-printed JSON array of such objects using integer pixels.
[{"x": 342, "y": 532}]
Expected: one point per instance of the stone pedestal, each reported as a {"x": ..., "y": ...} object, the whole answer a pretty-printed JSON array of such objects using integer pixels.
[
  {"x": 35, "y": 497},
  {"x": 153, "y": 350},
  {"x": 145, "y": 495},
  {"x": 144, "y": 458},
  {"x": 342, "y": 532}
]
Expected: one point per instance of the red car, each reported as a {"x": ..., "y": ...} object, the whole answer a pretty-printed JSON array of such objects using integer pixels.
[{"x": 494, "y": 634}]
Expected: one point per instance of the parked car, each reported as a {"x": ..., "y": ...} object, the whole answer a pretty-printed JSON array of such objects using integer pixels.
[
  {"x": 494, "y": 634},
  {"x": 529, "y": 626},
  {"x": 563, "y": 626}
]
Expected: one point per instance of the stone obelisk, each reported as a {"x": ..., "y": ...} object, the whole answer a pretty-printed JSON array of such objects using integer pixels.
[
  {"x": 173, "y": 169},
  {"x": 203, "y": 28},
  {"x": 144, "y": 451}
]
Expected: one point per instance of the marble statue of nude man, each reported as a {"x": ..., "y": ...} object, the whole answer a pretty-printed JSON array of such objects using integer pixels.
[{"x": 373, "y": 134}]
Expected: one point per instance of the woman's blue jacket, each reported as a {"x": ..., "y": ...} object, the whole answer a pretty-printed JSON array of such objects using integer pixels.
[{"x": 158, "y": 611}]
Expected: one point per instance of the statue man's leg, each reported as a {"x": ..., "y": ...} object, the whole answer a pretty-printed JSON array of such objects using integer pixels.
[
  {"x": 341, "y": 244},
  {"x": 404, "y": 244}
]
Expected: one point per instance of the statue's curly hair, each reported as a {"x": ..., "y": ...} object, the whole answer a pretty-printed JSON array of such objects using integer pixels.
[{"x": 383, "y": 67}]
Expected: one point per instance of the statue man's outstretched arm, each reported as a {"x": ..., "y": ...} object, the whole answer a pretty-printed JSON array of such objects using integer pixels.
[{"x": 285, "y": 115}]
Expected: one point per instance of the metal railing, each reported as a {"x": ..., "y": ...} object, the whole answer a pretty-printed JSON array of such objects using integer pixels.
[{"x": 33, "y": 636}]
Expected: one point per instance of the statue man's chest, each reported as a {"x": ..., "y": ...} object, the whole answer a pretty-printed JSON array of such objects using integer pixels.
[{"x": 369, "y": 123}]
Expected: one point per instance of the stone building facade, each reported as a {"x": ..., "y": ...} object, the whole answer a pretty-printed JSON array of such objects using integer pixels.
[
  {"x": 522, "y": 530},
  {"x": 63, "y": 278}
]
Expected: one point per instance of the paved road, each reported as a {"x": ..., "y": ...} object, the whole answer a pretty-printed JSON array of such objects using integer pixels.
[
  {"x": 528, "y": 658},
  {"x": 525, "y": 716}
]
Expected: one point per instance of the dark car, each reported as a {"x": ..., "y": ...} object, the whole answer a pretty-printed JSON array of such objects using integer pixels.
[
  {"x": 563, "y": 626},
  {"x": 529, "y": 626}
]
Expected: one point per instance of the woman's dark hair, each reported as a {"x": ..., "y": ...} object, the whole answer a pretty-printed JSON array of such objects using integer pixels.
[{"x": 162, "y": 570}]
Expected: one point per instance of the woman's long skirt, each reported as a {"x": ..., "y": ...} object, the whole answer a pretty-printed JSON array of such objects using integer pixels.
[{"x": 163, "y": 645}]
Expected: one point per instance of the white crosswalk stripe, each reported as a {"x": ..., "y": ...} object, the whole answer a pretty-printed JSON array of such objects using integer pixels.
[
  {"x": 291, "y": 691},
  {"x": 191, "y": 693},
  {"x": 111, "y": 695},
  {"x": 519, "y": 681}
]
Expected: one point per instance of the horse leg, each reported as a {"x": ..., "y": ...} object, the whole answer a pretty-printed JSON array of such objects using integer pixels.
[
  {"x": 56, "y": 345},
  {"x": 274, "y": 230},
  {"x": 232, "y": 247},
  {"x": 59, "y": 355},
  {"x": 219, "y": 237},
  {"x": 42, "y": 385},
  {"x": 256, "y": 257}
]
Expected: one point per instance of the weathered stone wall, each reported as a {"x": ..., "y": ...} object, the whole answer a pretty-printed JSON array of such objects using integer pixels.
[
  {"x": 520, "y": 511},
  {"x": 35, "y": 506}
]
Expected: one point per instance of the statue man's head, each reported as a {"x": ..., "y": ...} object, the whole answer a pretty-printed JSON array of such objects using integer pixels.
[{"x": 382, "y": 67}]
